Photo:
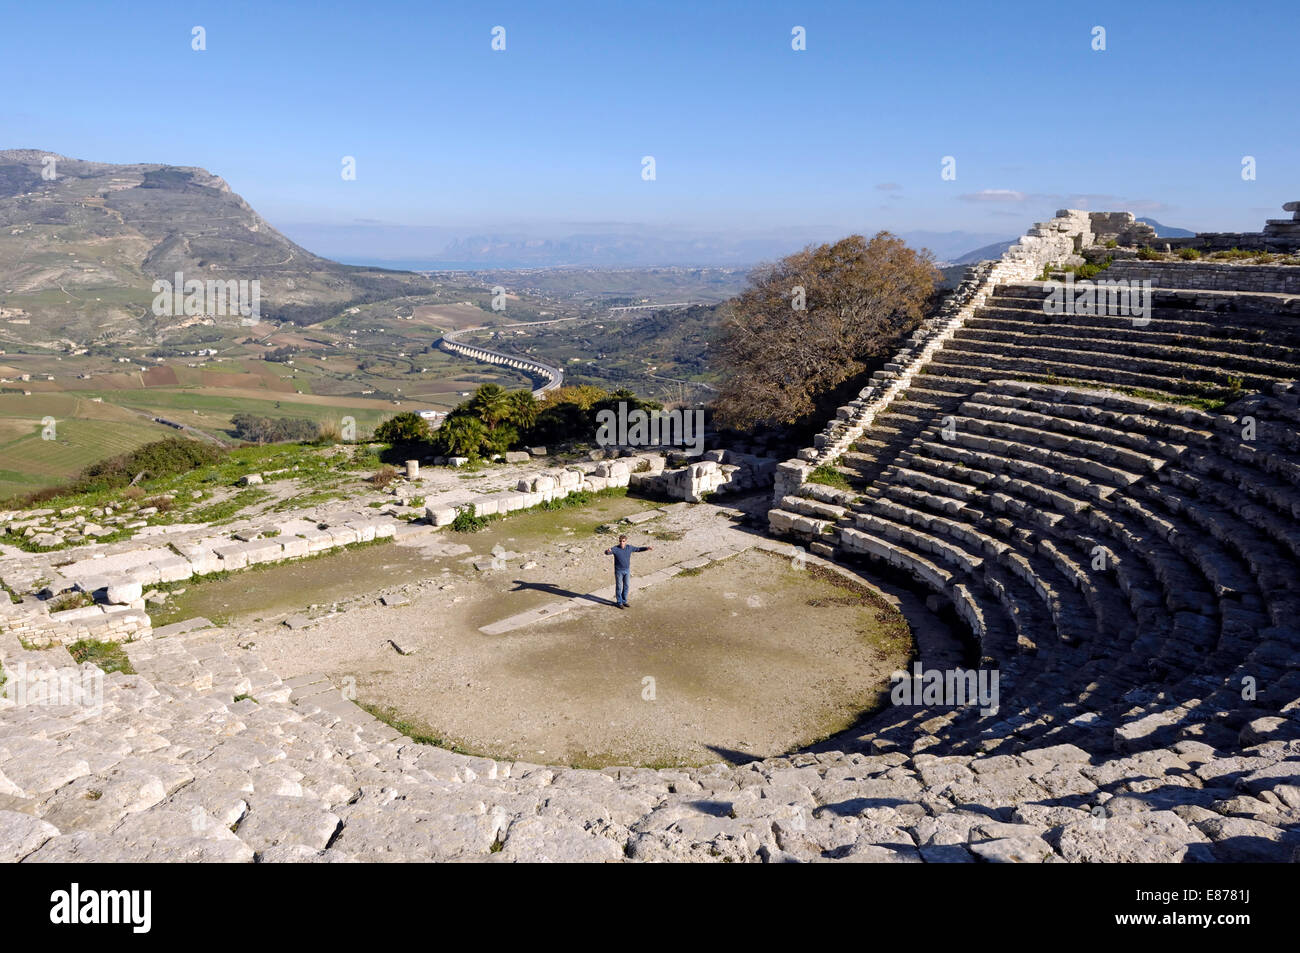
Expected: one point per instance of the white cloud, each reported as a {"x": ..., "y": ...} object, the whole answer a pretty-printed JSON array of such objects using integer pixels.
[{"x": 995, "y": 195}]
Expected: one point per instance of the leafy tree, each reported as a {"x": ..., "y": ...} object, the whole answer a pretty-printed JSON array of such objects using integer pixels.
[
  {"x": 257, "y": 429},
  {"x": 583, "y": 396},
  {"x": 860, "y": 297},
  {"x": 624, "y": 396},
  {"x": 563, "y": 421}
]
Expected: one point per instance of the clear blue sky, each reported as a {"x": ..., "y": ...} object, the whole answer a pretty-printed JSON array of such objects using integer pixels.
[{"x": 747, "y": 134}]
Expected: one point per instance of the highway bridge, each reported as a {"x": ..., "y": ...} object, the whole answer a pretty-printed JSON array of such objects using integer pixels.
[{"x": 553, "y": 376}]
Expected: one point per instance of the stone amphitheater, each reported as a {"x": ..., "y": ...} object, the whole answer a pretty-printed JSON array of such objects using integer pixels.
[{"x": 1103, "y": 510}]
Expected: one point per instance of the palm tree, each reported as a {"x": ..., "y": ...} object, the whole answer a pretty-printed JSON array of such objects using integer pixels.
[
  {"x": 523, "y": 409},
  {"x": 462, "y": 435},
  {"x": 490, "y": 404}
]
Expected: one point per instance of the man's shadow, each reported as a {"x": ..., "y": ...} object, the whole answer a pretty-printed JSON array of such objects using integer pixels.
[{"x": 554, "y": 590}]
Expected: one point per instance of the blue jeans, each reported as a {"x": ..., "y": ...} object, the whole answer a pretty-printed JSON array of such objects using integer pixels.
[{"x": 622, "y": 582}]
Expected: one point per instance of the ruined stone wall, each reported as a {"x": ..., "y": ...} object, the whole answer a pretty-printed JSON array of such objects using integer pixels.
[
  {"x": 1121, "y": 228},
  {"x": 1281, "y": 235},
  {"x": 718, "y": 471},
  {"x": 1208, "y": 275},
  {"x": 32, "y": 623}
]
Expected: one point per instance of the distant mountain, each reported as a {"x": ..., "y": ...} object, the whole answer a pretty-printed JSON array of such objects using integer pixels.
[
  {"x": 948, "y": 245},
  {"x": 606, "y": 245},
  {"x": 81, "y": 244},
  {"x": 1167, "y": 231},
  {"x": 994, "y": 250}
]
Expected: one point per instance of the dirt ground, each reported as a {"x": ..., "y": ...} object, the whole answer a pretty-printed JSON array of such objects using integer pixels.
[{"x": 747, "y": 657}]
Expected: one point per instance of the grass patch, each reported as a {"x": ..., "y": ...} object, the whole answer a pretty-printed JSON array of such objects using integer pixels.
[
  {"x": 307, "y": 500},
  {"x": 828, "y": 475},
  {"x": 109, "y": 657},
  {"x": 1210, "y": 397},
  {"x": 227, "y": 509},
  {"x": 580, "y": 498},
  {"x": 467, "y": 522},
  {"x": 420, "y": 734},
  {"x": 71, "y": 600}
]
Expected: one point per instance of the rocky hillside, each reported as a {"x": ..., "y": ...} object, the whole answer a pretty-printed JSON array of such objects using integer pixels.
[{"x": 81, "y": 244}]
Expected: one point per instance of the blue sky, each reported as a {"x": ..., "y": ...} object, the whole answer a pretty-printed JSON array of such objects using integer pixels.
[{"x": 748, "y": 135}]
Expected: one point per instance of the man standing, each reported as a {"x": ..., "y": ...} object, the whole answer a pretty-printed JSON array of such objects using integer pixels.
[{"x": 622, "y": 554}]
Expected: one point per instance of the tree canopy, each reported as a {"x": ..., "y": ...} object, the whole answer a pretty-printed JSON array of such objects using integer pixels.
[
  {"x": 859, "y": 298},
  {"x": 493, "y": 420}
]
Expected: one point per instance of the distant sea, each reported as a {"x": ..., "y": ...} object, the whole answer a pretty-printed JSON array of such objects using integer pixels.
[{"x": 425, "y": 264}]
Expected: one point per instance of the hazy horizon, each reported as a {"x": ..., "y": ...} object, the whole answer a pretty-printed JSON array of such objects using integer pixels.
[{"x": 758, "y": 148}]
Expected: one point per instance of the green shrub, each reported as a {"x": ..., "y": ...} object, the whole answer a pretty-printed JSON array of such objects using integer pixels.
[
  {"x": 406, "y": 427},
  {"x": 162, "y": 458},
  {"x": 1189, "y": 254},
  {"x": 257, "y": 429},
  {"x": 1090, "y": 270},
  {"x": 467, "y": 522}
]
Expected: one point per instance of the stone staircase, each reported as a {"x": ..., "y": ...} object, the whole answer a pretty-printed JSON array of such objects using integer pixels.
[{"x": 1126, "y": 563}]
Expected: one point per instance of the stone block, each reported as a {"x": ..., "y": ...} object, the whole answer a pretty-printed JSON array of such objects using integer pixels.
[
  {"x": 232, "y": 557},
  {"x": 440, "y": 515},
  {"x": 293, "y": 546},
  {"x": 173, "y": 569},
  {"x": 318, "y": 540},
  {"x": 343, "y": 535},
  {"x": 365, "y": 530},
  {"x": 123, "y": 592}
]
